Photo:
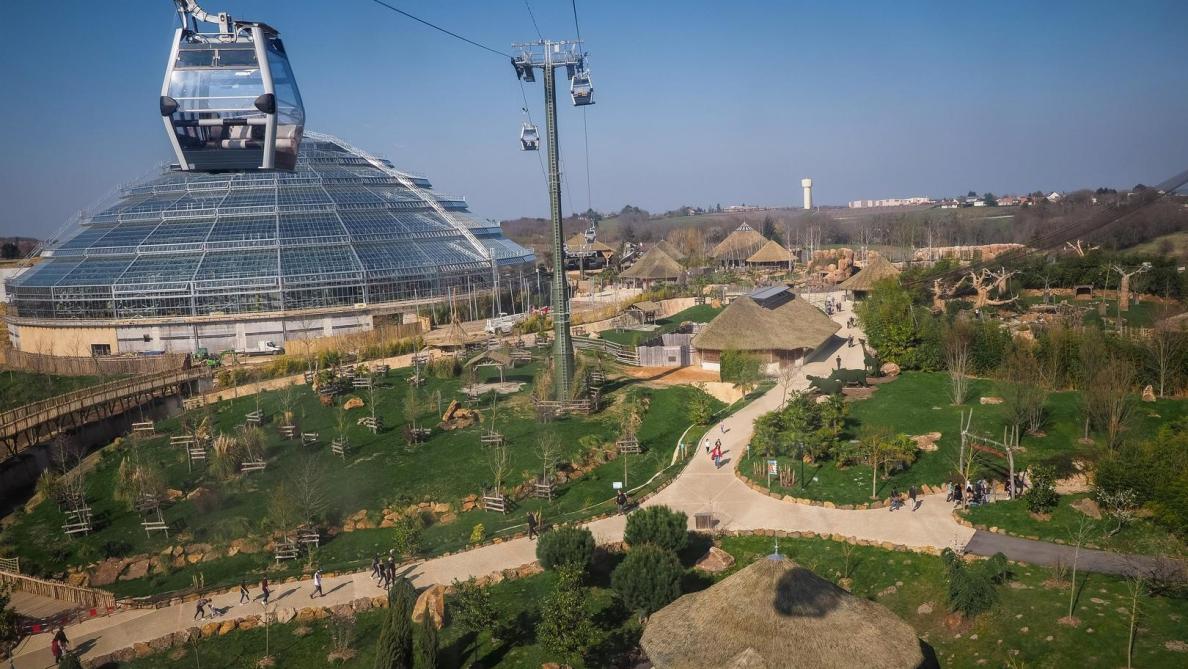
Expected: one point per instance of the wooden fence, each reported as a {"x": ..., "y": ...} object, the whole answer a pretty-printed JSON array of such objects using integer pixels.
[
  {"x": 95, "y": 366},
  {"x": 63, "y": 592}
]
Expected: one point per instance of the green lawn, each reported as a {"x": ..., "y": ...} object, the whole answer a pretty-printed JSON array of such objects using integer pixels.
[
  {"x": 380, "y": 471},
  {"x": 918, "y": 403},
  {"x": 1021, "y": 628},
  {"x": 1013, "y": 517},
  {"x": 701, "y": 313},
  {"x": 1141, "y": 315},
  {"x": 18, "y": 388}
]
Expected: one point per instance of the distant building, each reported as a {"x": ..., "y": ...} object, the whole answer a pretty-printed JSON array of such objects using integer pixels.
[
  {"x": 1055, "y": 196},
  {"x": 891, "y": 202}
]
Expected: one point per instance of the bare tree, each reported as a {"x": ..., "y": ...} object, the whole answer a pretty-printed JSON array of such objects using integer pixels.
[
  {"x": 547, "y": 449},
  {"x": 1164, "y": 347},
  {"x": 1120, "y": 505},
  {"x": 308, "y": 485},
  {"x": 957, "y": 341},
  {"x": 1107, "y": 397},
  {"x": 986, "y": 282},
  {"x": 1023, "y": 392},
  {"x": 1078, "y": 537},
  {"x": 788, "y": 374},
  {"x": 1136, "y": 584},
  {"x": 500, "y": 463}
]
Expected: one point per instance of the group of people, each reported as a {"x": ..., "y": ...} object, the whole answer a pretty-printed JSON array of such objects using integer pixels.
[
  {"x": 204, "y": 606},
  {"x": 384, "y": 571},
  {"x": 832, "y": 306},
  {"x": 974, "y": 492},
  {"x": 913, "y": 497}
]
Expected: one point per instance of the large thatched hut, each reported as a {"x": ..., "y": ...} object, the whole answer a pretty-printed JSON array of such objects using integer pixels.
[
  {"x": 653, "y": 267},
  {"x": 738, "y": 246},
  {"x": 773, "y": 323},
  {"x": 771, "y": 255},
  {"x": 772, "y": 614},
  {"x": 671, "y": 249},
  {"x": 877, "y": 268}
]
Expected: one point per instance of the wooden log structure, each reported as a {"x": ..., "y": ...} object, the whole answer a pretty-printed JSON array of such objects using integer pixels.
[{"x": 62, "y": 592}]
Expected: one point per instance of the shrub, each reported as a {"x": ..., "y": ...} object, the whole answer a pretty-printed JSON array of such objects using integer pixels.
[
  {"x": 69, "y": 661},
  {"x": 1042, "y": 496},
  {"x": 566, "y": 547},
  {"x": 648, "y": 578},
  {"x": 407, "y": 535},
  {"x": 566, "y": 628},
  {"x": 477, "y": 533},
  {"x": 425, "y": 644},
  {"x": 471, "y": 607},
  {"x": 657, "y": 525},
  {"x": 971, "y": 586}
]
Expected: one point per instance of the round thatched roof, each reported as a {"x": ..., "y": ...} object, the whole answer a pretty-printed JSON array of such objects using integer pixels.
[
  {"x": 877, "y": 268},
  {"x": 655, "y": 264},
  {"x": 781, "y": 322},
  {"x": 671, "y": 249},
  {"x": 771, "y": 252},
  {"x": 775, "y": 613},
  {"x": 738, "y": 245}
]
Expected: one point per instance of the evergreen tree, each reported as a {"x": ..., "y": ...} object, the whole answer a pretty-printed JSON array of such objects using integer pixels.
[
  {"x": 69, "y": 661},
  {"x": 425, "y": 644},
  {"x": 394, "y": 648},
  {"x": 565, "y": 627}
]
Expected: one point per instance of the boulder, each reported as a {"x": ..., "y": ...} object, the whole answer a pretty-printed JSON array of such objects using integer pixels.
[
  {"x": 990, "y": 400},
  {"x": 79, "y": 579},
  {"x": 173, "y": 495},
  {"x": 431, "y": 603},
  {"x": 249, "y": 623},
  {"x": 343, "y": 611},
  {"x": 107, "y": 572},
  {"x": 209, "y": 630},
  {"x": 138, "y": 569},
  {"x": 226, "y": 627},
  {"x": 924, "y": 609},
  {"x": 1088, "y": 507},
  {"x": 927, "y": 442},
  {"x": 285, "y": 615},
  {"x": 161, "y": 642},
  {"x": 352, "y": 403},
  {"x": 141, "y": 650},
  {"x": 1149, "y": 393},
  {"x": 362, "y": 604},
  {"x": 715, "y": 560}
]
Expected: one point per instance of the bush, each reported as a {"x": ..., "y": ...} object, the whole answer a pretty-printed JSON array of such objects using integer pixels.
[
  {"x": 566, "y": 547},
  {"x": 648, "y": 578},
  {"x": 425, "y": 644},
  {"x": 471, "y": 608},
  {"x": 972, "y": 586},
  {"x": 394, "y": 647},
  {"x": 69, "y": 661},
  {"x": 740, "y": 368},
  {"x": 657, "y": 525},
  {"x": 1042, "y": 496},
  {"x": 566, "y": 628}
]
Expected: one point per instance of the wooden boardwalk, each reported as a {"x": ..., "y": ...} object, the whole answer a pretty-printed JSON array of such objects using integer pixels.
[{"x": 31, "y": 424}]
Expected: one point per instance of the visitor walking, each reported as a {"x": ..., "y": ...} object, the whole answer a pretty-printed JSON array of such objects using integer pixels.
[
  {"x": 59, "y": 645},
  {"x": 621, "y": 500},
  {"x": 717, "y": 456},
  {"x": 265, "y": 592},
  {"x": 894, "y": 499},
  {"x": 839, "y": 362},
  {"x": 243, "y": 592},
  {"x": 200, "y": 608},
  {"x": 912, "y": 492},
  {"x": 375, "y": 566},
  {"x": 317, "y": 585},
  {"x": 531, "y": 525},
  {"x": 391, "y": 569}
]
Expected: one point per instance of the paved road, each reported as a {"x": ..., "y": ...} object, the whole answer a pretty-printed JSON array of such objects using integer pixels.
[
  {"x": 700, "y": 487},
  {"x": 1050, "y": 554}
]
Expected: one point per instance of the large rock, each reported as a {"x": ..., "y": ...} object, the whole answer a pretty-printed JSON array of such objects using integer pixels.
[
  {"x": 138, "y": 569},
  {"x": 1088, "y": 507},
  {"x": 889, "y": 369},
  {"x": 991, "y": 400},
  {"x": 715, "y": 560},
  {"x": 107, "y": 572},
  {"x": 431, "y": 603},
  {"x": 927, "y": 442},
  {"x": 353, "y": 403},
  {"x": 226, "y": 627},
  {"x": 285, "y": 615}
]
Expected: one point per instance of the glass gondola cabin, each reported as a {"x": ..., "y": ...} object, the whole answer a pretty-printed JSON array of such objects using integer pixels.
[{"x": 230, "y": 102}]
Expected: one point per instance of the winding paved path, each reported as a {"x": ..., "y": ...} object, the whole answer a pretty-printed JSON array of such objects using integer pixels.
[{"x": 700, "y": 487}]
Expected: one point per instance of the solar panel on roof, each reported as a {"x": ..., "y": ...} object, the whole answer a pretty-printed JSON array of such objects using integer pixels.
[{"x": 772, "y": 296}]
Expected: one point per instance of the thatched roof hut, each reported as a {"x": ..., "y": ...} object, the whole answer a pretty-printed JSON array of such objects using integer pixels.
[
  {"x": 775, "y": 613},
  {"x": 738, "y": 245},
  {"x": 877, "y": 268},
  {"x": 773, "y": 322},
  {"x": 655, "y": 265},
  {"x": 671, "y": 249},
  {"x": 577, "y": 245},
  {"x": 770, "y": 253}
]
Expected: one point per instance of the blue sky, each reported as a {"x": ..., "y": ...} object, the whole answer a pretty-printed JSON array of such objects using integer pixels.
[{"x": 698, "y": 102}]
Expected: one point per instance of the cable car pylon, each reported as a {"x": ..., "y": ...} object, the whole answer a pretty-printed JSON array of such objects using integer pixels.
[{"x": 547, "y": 56}]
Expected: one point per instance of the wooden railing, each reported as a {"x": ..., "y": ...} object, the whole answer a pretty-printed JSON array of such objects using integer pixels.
[
  {"x": 63, "y": 592},
  {"x": 15, "y": 421},
  {"x": 623, "y": 354}
]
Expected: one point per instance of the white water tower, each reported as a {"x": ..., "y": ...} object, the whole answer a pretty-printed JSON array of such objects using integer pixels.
[{"x": 807, "y": 185}]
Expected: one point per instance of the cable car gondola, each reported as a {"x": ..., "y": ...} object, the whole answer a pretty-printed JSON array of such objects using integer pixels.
[
  {"x": 580, "y": 88},
  {"x": 529, "y": 137},
  {"x": 229, "y": 100}
]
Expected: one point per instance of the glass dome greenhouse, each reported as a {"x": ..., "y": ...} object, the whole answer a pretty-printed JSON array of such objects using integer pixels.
[{"x": 344, "y": 229}]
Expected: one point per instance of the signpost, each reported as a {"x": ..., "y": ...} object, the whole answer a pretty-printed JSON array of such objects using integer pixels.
[{"x": 773, "y": 469}]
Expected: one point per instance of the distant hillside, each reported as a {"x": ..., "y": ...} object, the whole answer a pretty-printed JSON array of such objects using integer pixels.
[{"x": 1174, "y": 245}]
